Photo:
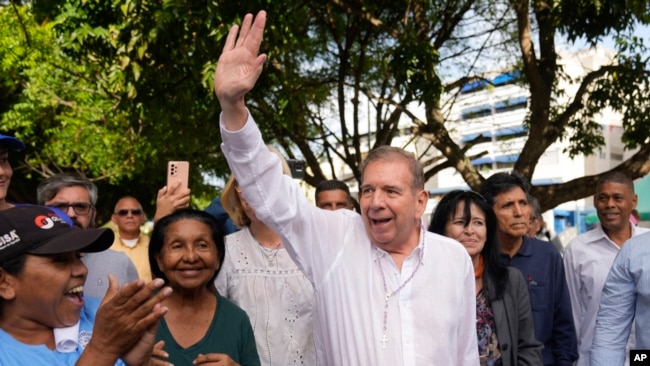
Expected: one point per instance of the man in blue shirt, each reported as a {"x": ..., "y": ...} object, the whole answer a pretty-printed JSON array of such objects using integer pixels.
[
  {"x": 539, "y": 262},
  {"x": 625, "y": 298}
]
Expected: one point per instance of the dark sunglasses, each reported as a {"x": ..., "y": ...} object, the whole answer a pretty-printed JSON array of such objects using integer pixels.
[{"x": 125, "y": 212}]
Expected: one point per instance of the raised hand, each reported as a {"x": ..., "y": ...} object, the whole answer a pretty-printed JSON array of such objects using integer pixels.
[
  {"x": 239, "y": 67},
  {"x": 170, "y": 199}
]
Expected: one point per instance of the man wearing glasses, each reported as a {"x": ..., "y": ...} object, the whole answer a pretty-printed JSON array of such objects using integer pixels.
[
  {"x": 76, "y": 196},
  {"x": 128, "y": 217}
]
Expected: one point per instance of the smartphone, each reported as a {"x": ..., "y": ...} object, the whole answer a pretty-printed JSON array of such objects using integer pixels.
[{"x": 178, "y": 171}]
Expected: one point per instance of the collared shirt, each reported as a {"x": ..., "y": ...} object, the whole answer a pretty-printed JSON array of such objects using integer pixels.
[
  {"x": 431, "y": 320},
  {"x": 139, "y": 254},
  {"x": 625, "y": 298},
  {"x": 541, "y": 265},
  {"x": 587, "y": 260}
]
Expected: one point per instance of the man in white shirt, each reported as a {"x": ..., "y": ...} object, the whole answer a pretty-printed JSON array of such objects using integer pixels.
[
  {"x": 387, "y": 291},
  {"x": 589, "y": 256}
]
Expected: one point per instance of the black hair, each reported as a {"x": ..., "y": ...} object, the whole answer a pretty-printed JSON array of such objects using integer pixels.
[
  {"x": 14, "y": 265},
  {"x": 160, "y": 231},
  {"x": 503, "y": 182},
  {"x": 495, "y": 269},
  {"x": 616, "y": 177},
  {"x": 332, "y": 185}
]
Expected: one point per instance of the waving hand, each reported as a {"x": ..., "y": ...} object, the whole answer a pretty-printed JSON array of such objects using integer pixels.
[{"x": 238, "y": 68}]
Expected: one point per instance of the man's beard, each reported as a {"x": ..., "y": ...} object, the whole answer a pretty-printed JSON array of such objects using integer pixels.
[{"x": 78, "y": 225}]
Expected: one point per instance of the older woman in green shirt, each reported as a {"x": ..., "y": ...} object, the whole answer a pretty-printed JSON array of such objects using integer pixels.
[{"x": 187, "y": 250}]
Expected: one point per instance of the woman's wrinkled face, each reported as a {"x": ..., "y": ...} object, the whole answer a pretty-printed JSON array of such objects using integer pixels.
[{"x": 188, "y": 257}]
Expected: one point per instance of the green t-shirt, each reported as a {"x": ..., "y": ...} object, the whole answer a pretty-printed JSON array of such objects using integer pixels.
[{"x": 230, "y": 332}]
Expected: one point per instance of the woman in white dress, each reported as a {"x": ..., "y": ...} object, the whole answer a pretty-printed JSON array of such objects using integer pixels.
[{"x": 260, "y": 277}]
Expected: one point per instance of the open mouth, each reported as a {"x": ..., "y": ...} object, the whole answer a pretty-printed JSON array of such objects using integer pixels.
[
  {"x": 379, "y": 221},
  {"x": 76, "y": 295}
]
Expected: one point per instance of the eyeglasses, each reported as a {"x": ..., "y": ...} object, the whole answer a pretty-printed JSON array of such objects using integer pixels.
[
  {"x": 80, "y": 208},
  {"x": 125, "y": 212}
]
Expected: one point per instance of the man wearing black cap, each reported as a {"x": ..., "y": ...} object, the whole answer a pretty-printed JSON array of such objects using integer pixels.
[
  {"x": 41, "y": 288},
  {"x": 7, "y": 143}
]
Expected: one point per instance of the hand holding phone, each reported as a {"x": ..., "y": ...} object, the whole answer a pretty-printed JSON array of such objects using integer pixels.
[{"x": 173, "y": 196}]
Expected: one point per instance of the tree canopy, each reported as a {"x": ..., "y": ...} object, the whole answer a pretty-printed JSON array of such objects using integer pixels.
[{"x": 114, "y": 89}]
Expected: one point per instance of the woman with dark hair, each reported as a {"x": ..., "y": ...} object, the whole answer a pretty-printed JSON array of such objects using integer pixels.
[
  {"x": 504, "y": 323},
  {"x": 187, "y": 250}
]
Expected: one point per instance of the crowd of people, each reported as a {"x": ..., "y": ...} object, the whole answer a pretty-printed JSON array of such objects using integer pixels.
[{"x": 265, "y": 277}]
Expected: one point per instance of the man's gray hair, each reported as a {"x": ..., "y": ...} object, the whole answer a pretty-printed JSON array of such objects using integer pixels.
[
  {"x": 49, "y": 188},
  {"x": 389, "y": 153}
]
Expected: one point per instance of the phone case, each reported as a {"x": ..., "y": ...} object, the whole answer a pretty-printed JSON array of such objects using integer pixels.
[{"x": 178, "y": 171}]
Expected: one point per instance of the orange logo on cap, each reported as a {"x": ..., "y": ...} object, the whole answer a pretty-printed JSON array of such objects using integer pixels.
[{"x": 44, "y": 222}]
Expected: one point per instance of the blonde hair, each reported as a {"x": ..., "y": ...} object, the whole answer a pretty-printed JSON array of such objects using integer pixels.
[{"x": 230, "y": 199}]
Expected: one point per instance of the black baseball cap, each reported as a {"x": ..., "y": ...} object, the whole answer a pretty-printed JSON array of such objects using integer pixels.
[
  {"x": 11, "y": 143},
  {"x": 32, "y": 229}
]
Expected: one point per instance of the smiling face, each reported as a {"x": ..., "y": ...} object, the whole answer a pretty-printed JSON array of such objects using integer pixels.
[
  {"x": 511, "y": 209},
  {"x": 472, "y": 235},
  {"x": 188, "y": 257},
  {"x": 47, "y": 292},
  {"x": 390, "y": 208},
  {"x": 614, "y": 203}
]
